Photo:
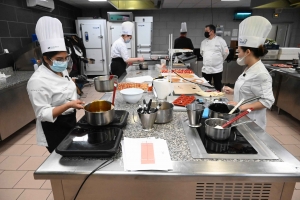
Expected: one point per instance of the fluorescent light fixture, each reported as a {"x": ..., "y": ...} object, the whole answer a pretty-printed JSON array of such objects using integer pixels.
[
  {"x": 97, "y": 0},
  {"x": 230, "y": 0},
  {"x": 243, "y": 13}
]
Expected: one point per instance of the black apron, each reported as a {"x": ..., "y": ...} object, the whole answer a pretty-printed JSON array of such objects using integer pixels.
[
  {"x": 57, "y": 131},
  {"x": 118, "y": 66}
]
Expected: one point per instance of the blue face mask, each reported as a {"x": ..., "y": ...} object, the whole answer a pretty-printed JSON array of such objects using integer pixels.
[
  {"x": 127, "y": 41},
  {"x": 59, "y": 66}
]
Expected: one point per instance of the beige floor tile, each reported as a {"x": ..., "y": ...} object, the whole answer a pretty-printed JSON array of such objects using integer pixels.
[
  {"x": 35, "y": 150},
  {"x": 18, "y": 139},
  {"x": 28, "y": 182},
  {"x": 32, "y": 163},
  {"x": 297, "y": 129},
  {"x": 293, "y": 149},
  {"x": 13, "y": 162},
  {"x": 281, "y": 122},
  {"x": 287, "y": 139},
  {"x": 46, "y": 154},
  {"x": 286, "y": 131},
  {"x": 2, "y": 158},
  {"x": 297, "y": 186},
  {"x": 47, "y": 185},
  {"x": 30, "y": 194},
  {"x": 271, "y": 123},
  {"x": 10, "y": 194},
  {"x": 50, "y": 197},
  {"x": 13, "y": 150},
  {"x": 296, "y": 195},
  {"x": 1, "y": 171},
  {"x": 8, "y": 179},
  {"x": 32, "y": 140},
  {"x": 271, "y": 131}
]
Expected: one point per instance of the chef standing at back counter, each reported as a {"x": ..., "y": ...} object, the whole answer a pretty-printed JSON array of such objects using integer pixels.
[
  {"x": 214, "y": 51},
  {"x": 50, "y": 87},
  {"x": 119, "y": 53},
  {"x": 183, "y": 42},
  {"x": 255, "y": 81}
]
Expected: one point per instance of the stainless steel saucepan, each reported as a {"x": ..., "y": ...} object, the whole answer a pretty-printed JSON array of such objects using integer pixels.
[{"x": 99, "y": 113}]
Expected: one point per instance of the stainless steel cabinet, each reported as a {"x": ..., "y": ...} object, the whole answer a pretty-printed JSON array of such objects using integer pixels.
[{"x": 16, "y": 109}]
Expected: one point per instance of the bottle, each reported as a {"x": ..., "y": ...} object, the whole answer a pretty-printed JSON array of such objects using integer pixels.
[{"x": 35, "y": 66}]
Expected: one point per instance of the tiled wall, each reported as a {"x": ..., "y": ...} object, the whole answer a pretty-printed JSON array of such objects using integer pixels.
[
  {"x": 17, "y": 24},
  {"x": 168, "y": 21}
]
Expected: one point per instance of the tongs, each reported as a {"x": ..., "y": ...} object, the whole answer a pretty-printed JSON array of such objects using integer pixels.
[{"x": 249, "y": 100}]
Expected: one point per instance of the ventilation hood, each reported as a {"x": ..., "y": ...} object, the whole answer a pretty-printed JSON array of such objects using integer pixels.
[
  {"x": 275, "y": 4},
  {"x": 136, "y": 4}
]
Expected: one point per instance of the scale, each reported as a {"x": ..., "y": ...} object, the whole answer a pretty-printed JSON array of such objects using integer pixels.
[{"x": 86, "y": 140}]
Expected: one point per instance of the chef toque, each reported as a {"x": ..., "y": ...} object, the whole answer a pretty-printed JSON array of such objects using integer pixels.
[
  {"x": 50, "y": 34},
  {"x": 183, "y": 27},
  {"x": 253, "y": 31},
  {"x": 127, "y": 28}
]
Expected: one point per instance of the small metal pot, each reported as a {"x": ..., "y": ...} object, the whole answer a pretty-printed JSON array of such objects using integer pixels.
[
  {"x": 105, "y": 83},
  {"x": 99, "y": 113},
  {"x": 215, "y": 133},
  {"x": 221, "y": 110},
  {"x": 143, "y": 66},
  {"x": 165, "y": 112}
]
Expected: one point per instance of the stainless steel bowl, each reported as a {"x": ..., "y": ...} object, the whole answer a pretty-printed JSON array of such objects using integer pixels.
[
  {"x": 99, "y": 113},
  {"x": 105, "y": 83},
  {"x": 143, "y": 65},
  {"x": 165, "y": 113}
]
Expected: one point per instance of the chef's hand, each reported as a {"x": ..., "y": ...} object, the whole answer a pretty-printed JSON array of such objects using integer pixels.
[
  {"x": 227, "y": 90},
  {"x": 77, "y": 104},
  {"x": 141, "y": 59}
]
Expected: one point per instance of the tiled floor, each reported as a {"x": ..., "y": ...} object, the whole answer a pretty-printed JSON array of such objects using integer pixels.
[{"x": 20, "y": 156}]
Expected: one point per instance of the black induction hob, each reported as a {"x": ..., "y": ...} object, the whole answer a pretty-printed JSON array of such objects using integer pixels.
[
  {"x": 86, "y": 140},
  {"x": 235, "y": 144}
]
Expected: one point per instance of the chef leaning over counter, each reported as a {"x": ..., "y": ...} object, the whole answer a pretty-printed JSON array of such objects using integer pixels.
[
  {"x": 119, "y": 54},
  {"x": 50, "y": 87},
  {"x": 255, "y": 81}
]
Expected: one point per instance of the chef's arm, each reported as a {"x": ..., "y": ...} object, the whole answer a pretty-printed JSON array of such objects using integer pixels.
[
  {"x": 77, "y": 104},
  {"x": 256, "y": 106},
  {"x": 201, "y": 50},
  {"x": 225, "y": 50},
  {"x": 131, "y": 60}
]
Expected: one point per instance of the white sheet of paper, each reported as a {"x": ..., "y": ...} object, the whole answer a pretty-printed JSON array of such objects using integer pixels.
[
  {"x": 235, "y": 32},
  {"x": 140, "y": 79},
  {"x": 131, "y": 149}
]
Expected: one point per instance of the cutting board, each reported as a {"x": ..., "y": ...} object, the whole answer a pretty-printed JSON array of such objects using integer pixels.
[{"x": 191, "y": 88}]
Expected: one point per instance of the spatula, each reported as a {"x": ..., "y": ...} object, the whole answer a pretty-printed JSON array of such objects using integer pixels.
[{"x": 237, "y": 117}]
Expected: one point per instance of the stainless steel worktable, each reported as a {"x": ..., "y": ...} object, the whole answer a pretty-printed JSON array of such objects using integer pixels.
[{"x": 191, "y": 178}]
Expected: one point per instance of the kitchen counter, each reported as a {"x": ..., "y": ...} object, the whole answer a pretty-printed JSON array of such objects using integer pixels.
[
  {"x": 286, "y": 71},
  {"x": 190, "y": 179},
  {"x": 17, "y": 77}
]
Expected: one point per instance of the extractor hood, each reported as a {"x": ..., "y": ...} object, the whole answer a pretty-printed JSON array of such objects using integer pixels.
[
  {"x": 275, "y": 4},
  {"x": 136, "y": 4}
]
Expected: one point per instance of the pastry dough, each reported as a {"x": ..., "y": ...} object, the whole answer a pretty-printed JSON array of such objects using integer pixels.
[{"x": 210, "y": 94}]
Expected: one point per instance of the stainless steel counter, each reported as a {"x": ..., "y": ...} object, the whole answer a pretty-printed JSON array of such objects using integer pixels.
[{"x": 214, "y": 178}]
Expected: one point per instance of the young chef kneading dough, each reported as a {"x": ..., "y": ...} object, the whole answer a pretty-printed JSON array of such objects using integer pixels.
[
  {"x": 50, "y": 87},
  {"x": 255, "y": 81}
]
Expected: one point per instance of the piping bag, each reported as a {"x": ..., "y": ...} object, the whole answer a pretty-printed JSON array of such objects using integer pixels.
[{"x": 237, "y": 117}]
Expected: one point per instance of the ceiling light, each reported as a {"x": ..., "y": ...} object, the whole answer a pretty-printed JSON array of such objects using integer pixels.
[
  {"x": 97, "y": 0},
  {"x": 230, "y": 0}
]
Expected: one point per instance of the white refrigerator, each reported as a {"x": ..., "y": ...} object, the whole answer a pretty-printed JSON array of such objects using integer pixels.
[
  {"x": 114, "y": 32},
  {"x": 144, "y": 36},
  {"x": 94, "y": 35}
]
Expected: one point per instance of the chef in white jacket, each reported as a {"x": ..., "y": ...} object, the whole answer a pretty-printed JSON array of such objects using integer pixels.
[
  {"x": 51, "y": 91},
  {"x": 214, "y": 51},
  {"x": 255, "y": 81},
  {"x": 119, "y": 54}
]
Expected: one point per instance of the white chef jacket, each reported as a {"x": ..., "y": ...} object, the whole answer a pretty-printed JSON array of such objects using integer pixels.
[
  {"x": 255, "y": 82},
  {"x": 214, "y": 52},
  {"x": 47, "y": 90},
  {"x": 119, "y": 49}
]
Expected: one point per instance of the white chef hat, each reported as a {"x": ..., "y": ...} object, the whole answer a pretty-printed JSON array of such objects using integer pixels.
[
  {"x": 127, "y": 28},
  {"x": 253, "y": 31},
  {"x": 183, "y": 27},
  {"x": 50, "y": 34}
]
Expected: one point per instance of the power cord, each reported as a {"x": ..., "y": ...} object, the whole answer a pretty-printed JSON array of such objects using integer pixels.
[{"x": 99, "y": 167}]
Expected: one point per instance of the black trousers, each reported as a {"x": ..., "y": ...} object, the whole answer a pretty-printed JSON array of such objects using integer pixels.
[
  {"x": 57, "y": 131},
  {"x": 118, "y": 66},
  {"x": 217, "y": 79}
]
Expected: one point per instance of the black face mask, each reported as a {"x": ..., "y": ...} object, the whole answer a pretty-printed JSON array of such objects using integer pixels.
[{"x": 206, "y": 34}]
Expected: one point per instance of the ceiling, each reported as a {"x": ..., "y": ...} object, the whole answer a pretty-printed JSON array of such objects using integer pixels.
[{"x": 168, "y": 4}]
